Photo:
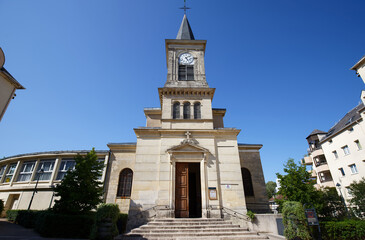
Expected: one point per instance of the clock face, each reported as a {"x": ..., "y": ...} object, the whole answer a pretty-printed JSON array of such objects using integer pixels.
[{"x": 186, "y": 59}]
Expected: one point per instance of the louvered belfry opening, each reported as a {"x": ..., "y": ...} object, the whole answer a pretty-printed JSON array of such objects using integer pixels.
[
  {"x": 197, "y": 114},
  {"x": 187, "y": 110},
  {"x": 176, "y": 111},
  {"x": 186, "y": 72},
  {"x": 125, "y": 183}
]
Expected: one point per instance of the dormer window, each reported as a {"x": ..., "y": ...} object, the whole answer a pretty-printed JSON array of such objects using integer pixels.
[{"x": 186, "y": 67}]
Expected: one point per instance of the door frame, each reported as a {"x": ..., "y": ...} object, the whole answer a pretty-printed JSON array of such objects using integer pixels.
[{"x": 193, "y": 157}]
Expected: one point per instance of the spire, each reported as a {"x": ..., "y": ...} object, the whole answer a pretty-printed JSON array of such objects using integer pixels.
[{"x": 185, "y": 32}]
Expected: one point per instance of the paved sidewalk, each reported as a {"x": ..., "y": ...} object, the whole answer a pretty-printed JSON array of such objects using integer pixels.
[{"x": 11, "y": 231}]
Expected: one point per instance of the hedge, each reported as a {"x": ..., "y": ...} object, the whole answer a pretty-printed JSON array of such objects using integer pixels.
[
  {"x": 50, "y": 224},
  {"x": 349, "y": 229}
]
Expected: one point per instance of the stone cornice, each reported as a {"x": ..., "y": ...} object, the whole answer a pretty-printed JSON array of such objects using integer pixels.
[
  {"x": 186, "y": 92},
  {"x": 159, "y": 131},
  {"x": 122, "y": 147},
  {"x": 249, "y": 146}
]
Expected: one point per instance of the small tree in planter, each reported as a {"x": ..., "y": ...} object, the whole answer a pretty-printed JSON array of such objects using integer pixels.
[
  {"x": 80, "y": 190},
  {"x": 105, "y": 227}
]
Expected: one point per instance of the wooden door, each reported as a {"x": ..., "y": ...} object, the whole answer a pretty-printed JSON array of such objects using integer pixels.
[{"x": 182, "y": 190}]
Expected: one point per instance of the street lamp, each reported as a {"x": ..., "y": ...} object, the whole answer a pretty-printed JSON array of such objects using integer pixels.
[
  {"x": 35, "y": 188},
  {"x": 338, "y": 185}
]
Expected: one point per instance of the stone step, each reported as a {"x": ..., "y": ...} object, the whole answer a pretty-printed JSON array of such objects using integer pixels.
[
  {"x": 194, "y": 234},
  {"x": 188, "y": 227},
  {"x": 188, "y": 223},
  {"x": 188, "y": 230},
  {"x": 236, "y": 237},
  {"x": 189, "y": 220}
]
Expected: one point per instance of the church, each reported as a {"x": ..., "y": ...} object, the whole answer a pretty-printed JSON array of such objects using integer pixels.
[{"x": 184, "y": 164}]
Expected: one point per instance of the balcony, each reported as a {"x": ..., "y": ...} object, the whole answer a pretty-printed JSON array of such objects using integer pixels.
[
  {"x": 307, "y": 160},
  {"x": 328, "y": 184},
  {"x": 323, "y": 167},
  {"x": 317, "y": 152},
  {"x": 313, "y": 173}
]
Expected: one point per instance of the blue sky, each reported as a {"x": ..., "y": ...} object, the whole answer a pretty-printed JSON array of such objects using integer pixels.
[{"x": 281, "y": 68}]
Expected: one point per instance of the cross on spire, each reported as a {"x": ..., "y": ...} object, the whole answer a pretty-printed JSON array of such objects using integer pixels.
[
  {"x": 188, "y": 135},
  {"x": 185, "y": 7}
]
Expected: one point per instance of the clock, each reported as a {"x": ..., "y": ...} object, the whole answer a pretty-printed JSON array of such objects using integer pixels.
[{"x": 186, "y": 59}]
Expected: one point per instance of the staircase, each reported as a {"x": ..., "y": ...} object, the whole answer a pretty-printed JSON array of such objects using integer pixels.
[{"x": 190, "y": 229}]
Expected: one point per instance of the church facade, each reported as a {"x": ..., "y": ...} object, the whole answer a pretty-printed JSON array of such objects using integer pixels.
[{"x": 184, "y": 164}]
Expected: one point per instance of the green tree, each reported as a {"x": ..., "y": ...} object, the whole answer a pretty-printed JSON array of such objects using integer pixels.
[
  {"x": 80, "y": 190},
  {"x": 357, "y": 202},
  {"x": 270, "y": 189},
  {"x": 329, "y": 204},
  {"x": 296, "y": 185}
]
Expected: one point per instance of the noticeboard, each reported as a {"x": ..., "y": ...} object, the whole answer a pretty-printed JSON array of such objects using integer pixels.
[{"x": 311, "y": 216}]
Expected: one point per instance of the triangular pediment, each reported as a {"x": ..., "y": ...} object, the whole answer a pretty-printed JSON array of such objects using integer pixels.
[{"x": 187, "y": 147}]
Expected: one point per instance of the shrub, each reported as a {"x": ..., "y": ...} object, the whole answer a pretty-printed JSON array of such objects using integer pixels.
[
  {"x": 122, "y": 222},
  {"x": 11, "y": 215},
  {"x": 105, "y": 226},
  {"x": 295, "y": 221},
  {"x": 349, "y": 229},
  {"x": 1, "y": 206},
  {"x": 27, "y": 218},
  {"x": 251, "y": 215},
  {"x": 50, "y": 224}
]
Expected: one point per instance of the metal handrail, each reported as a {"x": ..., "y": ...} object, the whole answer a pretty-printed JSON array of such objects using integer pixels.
[{"x": 236, "y": 214}]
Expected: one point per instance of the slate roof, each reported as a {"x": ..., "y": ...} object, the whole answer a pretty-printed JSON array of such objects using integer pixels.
[
  {"x": 185, "y": 32},
  {"x": 351, "y": 117},
  {"x": 316, "y": 131}
]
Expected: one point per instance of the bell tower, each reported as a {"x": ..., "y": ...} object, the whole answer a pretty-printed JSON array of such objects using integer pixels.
[
  {"x": 185, "y": 59},
  {"x": 186, "y": 99}
]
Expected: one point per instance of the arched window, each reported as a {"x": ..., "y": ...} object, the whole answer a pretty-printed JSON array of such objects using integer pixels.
[
  {"x": 187, "y": 110},
  {"x": 125, "y": 183},
  {"x": 197, "y": 111},
  {"x": 176, "y": 111},
  {"x": 247, "y": 182}
]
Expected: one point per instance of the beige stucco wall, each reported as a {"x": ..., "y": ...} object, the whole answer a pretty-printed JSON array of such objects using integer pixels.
[{"x": 356, "y": 156}]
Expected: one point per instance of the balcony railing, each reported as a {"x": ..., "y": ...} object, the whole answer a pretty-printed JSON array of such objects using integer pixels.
[{"x": 317, "y": 152}]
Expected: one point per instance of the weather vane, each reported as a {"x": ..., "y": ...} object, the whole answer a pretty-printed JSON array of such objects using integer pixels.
[{"x": 185, "y": 7}]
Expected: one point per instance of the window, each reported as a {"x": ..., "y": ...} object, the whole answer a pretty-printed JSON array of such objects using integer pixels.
[
  {"x": 187, "y": 110},
  {"x": 47, "y": 166},
  {"x": 247, "y": 182},
  {"x": 335, "y": 154},
  {"x": 349, "y": 192},
  {"x": 358, "y": 144},
  {"x": 342, "y": 171},
  {"x": 26, "y": 171},
  {"x": 176, "y": 111},
  {"x": 66, "y": 164},
  {"x": 125, "y": 183},
  {"x": 186, "y": 72},
  {"x": 330, "y": 141},
  {"x": 346, "y": 150},
  {"x": 2, "y": 170},
  {"x": 353, "y": 168},
  {"x": 351, "y": 129},
  {"x": 10, "y": 173},
  {"x": 197, "y": 114}
]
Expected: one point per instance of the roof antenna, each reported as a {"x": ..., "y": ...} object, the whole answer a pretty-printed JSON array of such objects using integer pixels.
[{"x": 185, "y": 7}]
